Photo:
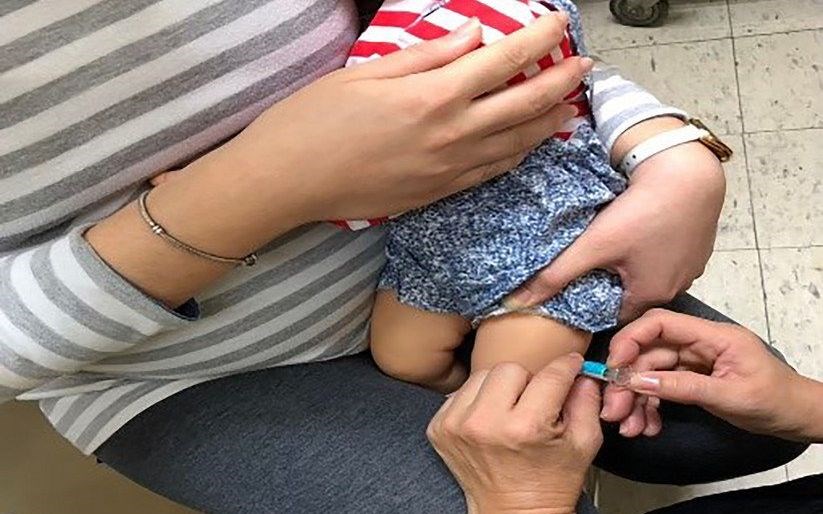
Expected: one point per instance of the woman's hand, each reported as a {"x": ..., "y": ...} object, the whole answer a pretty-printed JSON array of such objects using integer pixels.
[
  {"x": 721, "y": 367},
  {"x": 415, "y": 126},
  {"x": 366, "y": 141},
  {"x": 658, "y": 235},
  {"x": 517, "y": 443}
]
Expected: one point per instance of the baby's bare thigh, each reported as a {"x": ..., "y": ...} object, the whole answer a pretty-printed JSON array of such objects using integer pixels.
[
  {"x": 413, "y": 339},
  {"x": 527, "y": 339}
]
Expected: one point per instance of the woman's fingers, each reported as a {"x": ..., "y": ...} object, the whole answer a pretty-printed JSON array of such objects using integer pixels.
[
  {"x": 635, "y": 423},
  {"x": 618, "y": 403},
  {"x": 544, "y": 397},
  {"x": 491, "y": 66},
  {"x": 679, "y": 386},
  {"x": 527, "y": 135},
  {"x": 530, "y": 99},
  {"x": 501, "y": 389},
  {"x": 661, "y": 326},
  {"x": 424, "y": 56},
  {"x": 462, "y": 399},
  {"x": 503, "y": 151},
  {"x": 580, "y": 414},
  {"x": 653, "y": 422}
]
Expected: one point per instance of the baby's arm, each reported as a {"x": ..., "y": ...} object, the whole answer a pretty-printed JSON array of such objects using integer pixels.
[
  {"x": 625, "y": 114},
  {"x": 527, "y": 339}
]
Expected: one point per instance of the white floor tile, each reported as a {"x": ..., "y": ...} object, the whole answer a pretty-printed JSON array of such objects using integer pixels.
[
  {"x": 736, "y": 228},
  {"x": 732, "y": 285},
  {"x": 697, "y": 77},
  {"x": 692, "y": 20},
  {"x": 794, "y": 285},
  {"x": 793, "y": 279},
  {"x": 770, "y": 16},
  {"x": 786, "y": 170},
  {"x": 780, "y": 80}
]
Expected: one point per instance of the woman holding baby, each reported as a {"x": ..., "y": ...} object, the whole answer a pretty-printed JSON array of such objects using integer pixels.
[{"x": 206, "y": 337}]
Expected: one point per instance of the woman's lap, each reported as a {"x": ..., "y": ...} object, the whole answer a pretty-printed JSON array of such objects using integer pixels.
[
  {"x": 340, "y": 436},
  {"x": 333, "y": 437}
]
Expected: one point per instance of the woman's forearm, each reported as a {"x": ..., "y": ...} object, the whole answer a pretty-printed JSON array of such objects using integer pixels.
[
  {"x": 358, "y": 143},
  {"x": 216, "y": 204},
  {"x": 807, "y": 398}
]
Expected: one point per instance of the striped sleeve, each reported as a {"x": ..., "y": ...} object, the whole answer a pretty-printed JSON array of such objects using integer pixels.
[
  {"x": 619, "y": 104},
  {"x": 62, "y": 307}
]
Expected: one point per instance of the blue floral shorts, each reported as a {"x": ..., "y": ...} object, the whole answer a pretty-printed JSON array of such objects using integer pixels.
[{"x": 467, "y": 252}]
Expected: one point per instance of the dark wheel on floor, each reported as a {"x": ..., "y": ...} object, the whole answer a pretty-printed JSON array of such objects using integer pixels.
[{"x": 633, "y": 14}]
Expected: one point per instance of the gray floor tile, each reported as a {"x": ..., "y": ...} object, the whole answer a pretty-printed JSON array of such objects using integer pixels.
[
  {"x": 697, "y": 77},
  {"x": 781, "y": 77},
  {"x": 732, "y": 285},
  {"x": 693, "y": 20},
  {"x": 736, "y": 228},
  {"x": 770, "y": 16},
  {"x": 786, "y": 171}
]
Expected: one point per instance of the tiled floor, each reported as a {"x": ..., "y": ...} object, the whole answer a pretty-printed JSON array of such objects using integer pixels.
[
  {"x": 767, "y": 271},
  {"x": 752, "y": 70}
]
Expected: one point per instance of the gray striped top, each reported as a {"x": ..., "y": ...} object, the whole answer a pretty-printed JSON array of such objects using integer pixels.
[{"x": 96, "y": 96}]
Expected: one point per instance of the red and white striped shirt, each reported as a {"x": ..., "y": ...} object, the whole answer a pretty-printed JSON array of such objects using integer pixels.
[{"x": 399, "y": 24}]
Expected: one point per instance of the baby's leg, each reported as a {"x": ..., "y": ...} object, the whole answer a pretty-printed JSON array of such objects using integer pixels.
[
  {"x": 417, "y": 346},
  {"x": 527, "y": 339}
]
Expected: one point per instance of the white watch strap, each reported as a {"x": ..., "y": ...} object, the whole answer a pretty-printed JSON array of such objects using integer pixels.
[{"x": 657, "y": 144}]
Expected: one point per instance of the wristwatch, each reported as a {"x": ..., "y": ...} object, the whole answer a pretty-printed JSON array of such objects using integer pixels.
[{"x": 696, "y": 130}]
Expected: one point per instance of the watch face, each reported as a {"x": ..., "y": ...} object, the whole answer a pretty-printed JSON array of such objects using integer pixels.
[{"x": 720, "y": 149}]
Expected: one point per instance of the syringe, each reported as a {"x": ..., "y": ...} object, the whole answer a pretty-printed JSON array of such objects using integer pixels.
[{"x": 618, "y": 376}]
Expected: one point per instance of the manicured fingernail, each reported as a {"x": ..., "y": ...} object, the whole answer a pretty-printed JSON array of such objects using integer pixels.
[
  {"x": 466, "y": 30},
  {"x": 605, "y": 412},
  {"x": 586, "y": 64},
  {"x": 641, "y": 382}
]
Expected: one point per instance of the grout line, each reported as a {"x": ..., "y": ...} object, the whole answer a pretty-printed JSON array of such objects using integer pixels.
[
  {"x": 748, "y": 176},
  {"x": 777, "y": 131},
  {"x": 774, "y": 247},
  {"x": 777, "y": 33},
  {"x": 654, "y": 44},
  {"x": 723, "y": 133},
  {"x": 720, "y": 38}
]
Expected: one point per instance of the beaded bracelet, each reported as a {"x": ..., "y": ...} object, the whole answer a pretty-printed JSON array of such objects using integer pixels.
[{"x": 158, "y": 230}]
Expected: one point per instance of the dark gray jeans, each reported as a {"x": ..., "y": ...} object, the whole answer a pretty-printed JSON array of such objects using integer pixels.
[{"x": 340, "y": 437}]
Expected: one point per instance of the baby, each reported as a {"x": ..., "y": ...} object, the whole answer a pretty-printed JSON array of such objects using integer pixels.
[{"x": 450, "y": 264}]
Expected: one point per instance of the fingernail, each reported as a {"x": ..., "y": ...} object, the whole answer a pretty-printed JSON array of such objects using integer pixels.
[
  {"x": 564, "y": 16},
  {"x": 641, "y": 382},
  {"x": 606, "y": 411},
  {"x": 576, "y": 356},
  {"x": 624, "y": 429},
  {"x": 518, "y": 300},
  {"x": 466, "y": 30},
  {"x": 586, "y": 64}
]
